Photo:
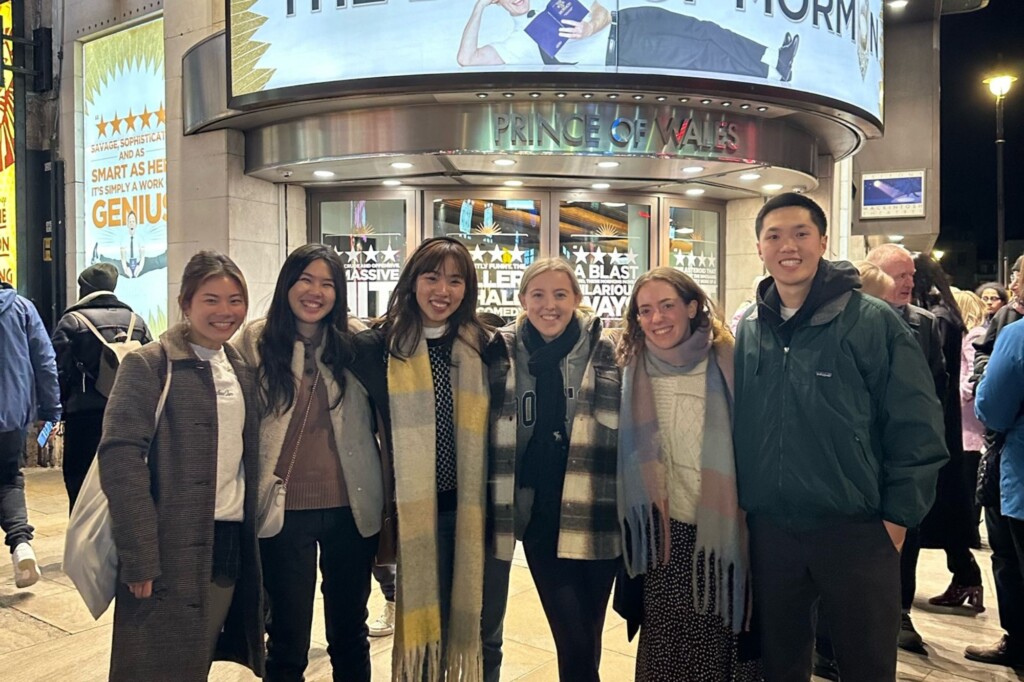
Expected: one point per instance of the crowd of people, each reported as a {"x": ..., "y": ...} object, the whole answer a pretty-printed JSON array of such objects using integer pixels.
[{"x": 756, "y": 498}]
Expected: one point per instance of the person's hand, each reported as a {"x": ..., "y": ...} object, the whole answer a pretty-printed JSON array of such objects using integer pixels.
[
  {"x": 141, "y": 590},
  {"x": 897, "y": 534},
  {"x": 484, "y": 4},
  {"x": 575, "y": 30}
]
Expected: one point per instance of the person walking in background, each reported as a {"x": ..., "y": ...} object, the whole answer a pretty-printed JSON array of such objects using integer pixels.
[
  {"x": 682, "y": 527},
  {"x": 79, "y": 354},
  {"x": 30, "y": 394},
  {"x": 994, "y": 296},
  {"x": 183, "y": 490},
  {"x": 838, "y": 438},
  {"x": 973, "y": 312},
  {"x": 555, "y": 393},
  {"x": 316, "y": 435},
  {"x": 423, "y": 367}
]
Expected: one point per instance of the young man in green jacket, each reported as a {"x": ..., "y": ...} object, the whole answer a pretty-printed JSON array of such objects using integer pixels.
[{"x": 839, "y": 441}]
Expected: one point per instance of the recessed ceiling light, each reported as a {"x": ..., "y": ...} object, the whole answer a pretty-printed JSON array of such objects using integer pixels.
[
  {"x": 600, "y": 185},
  {"x": 661, "y": 98},
  {"x": 895, "y": 237},
  {"x": 762, "y": 108},
  {"x": 750, "y": 176},
  {"x": 685, "y": 230},
  {"x": 726, "y": 104},
  {"x": 535, "y": 95},
  {"x": 513, "y": 183},
  {"x": 613, "y": 95},
  {"x": 508, "y": 95},
  {"x": 695, "y": 192},
  {"x": 744, "y": 106},
  {"x": 638, "y": 97},
  {"x": 391, "y": 183},
  {"x": 693, "y": 169},
  {"x": 504, "y": 162},
  {"x": 684, "y": 100},
  {"x": 771, "y": 187},
  {"x": 588, "y": 95},
  {"x": 560, "y": 95},
  {"x": 607, "y": 164},
  {"x": 401, "y": 165},
  {"x": 614, "y": 204},
  {"x": 705, "y": 101},
  {"x": 323, "y": 174},
  {"x": 898, "y": 4},
  {"x": 482, "y": 95}
]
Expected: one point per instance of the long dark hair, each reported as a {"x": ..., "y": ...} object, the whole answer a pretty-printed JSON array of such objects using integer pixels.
[
  {"x": 931, "y": 288},
  {"x": 403, "y": 321},
  {"x": 277, "y": 341}
]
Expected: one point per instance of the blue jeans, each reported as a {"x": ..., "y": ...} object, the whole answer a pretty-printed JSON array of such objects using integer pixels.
[{"x": 13, "y": 512}]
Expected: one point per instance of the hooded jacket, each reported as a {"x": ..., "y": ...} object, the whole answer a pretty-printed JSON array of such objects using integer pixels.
[
  {"x": 28, "y": 371},
  {"x": 78, "y": 350},
  {"x": 836, "y": 414}
]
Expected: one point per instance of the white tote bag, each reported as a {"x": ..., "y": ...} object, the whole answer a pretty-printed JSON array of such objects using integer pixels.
[{"x": 90, "y": 556}]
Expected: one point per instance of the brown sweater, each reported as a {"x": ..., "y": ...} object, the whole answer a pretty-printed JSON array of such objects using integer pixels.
[{"x": 317, "y": 481}]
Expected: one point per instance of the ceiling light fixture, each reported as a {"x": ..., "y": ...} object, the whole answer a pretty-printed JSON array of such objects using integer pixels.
[
  {"x": 508, "y": 95},
  {"x": 771, "y": 187},
  {"x": 898, "y": 4},
  {"x": 513, "y": 183},
  {"x": 695, "y": 192},
  {"x": 482, "y": 95},
  {"x": 534, "y": 95},
  {"x": 600, "y": 185},
  {"x": 612, "y": 95},
  {"x": 607, "y": 164},
  {"x": 762, "y": 109},
  {"x": 895, "y": 237},
  {"x": 638, "y": 97},
  {"x": 401, "y": 165},
  {"x": 324, "y": 174},
  {"x": 504, "y": 162},
  {"x": 391, "y": 183},
  {"x": 661, "y": 98},
  {"x": 693, "y": 169},
  {"x": 588, "y": 95},
  {"x": 560, "y": 95},
  {"x": 726, "y": 104},
  {"x": 750, "y": 176},
  {"x": 744, "y": 106},
  {"x": 705, "y": 101},
  {"x": 684, "y": 100}
]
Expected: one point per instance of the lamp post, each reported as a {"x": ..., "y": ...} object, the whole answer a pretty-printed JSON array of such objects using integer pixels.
[{"x": 1000, "y": 85}]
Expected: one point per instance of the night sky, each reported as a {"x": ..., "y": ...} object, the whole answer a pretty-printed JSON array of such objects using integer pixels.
[{"x": 973, "y": 44}]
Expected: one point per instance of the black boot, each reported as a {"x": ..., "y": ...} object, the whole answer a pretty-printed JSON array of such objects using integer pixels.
[
  {"x": 786, "y": 55},
  {"x": 909, "y": 639}
]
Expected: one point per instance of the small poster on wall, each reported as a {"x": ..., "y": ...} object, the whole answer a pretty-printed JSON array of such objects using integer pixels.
[{"x": 899, "y": 194}]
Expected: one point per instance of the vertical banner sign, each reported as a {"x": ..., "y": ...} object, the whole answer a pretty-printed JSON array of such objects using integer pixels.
[
  {"x": 8, "y": 226},
  {"x": 125, "y": 155}
]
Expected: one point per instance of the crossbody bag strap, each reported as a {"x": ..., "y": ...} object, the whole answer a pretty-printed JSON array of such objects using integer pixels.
[
  {"x": 302, "y": 429},
  {"x": 131, "y": 327}
]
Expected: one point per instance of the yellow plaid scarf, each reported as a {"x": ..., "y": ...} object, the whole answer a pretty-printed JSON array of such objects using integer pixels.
[{"x": 417, "y": 652}]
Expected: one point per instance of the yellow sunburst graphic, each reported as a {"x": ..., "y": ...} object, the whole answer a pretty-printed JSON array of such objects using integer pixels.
[{"x": 489, "y": 228}]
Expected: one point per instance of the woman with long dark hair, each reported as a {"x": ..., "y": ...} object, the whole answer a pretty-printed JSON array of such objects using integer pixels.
[
  {"x": 182, "y": 487},
  {"x": 682, "y": 526},
  {"x": 949, "y": 525},
  {"x": 316, "y": 435},
  {"x": 423, "y": 366},
  {"x": 555, "y": 394}
]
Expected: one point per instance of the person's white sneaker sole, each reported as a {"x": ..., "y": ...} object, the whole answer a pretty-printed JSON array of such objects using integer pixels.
[{"x": 26, "y": 570}]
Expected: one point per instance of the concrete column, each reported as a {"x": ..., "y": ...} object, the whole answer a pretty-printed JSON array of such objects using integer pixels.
[{"x": 212, "y": 204}]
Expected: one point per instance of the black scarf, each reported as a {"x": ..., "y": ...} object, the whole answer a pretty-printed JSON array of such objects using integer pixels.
[{"x": 542, "y": 467}]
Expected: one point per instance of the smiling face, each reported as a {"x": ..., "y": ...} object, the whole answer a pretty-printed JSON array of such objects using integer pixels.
[
  {"x": 312, "y": 296},
  {"x": 515, "y": 7},
  {"x": 900, "y": 266},
  {"x": 550, "y": 303},
  {"x": 215, "y": 311},
  {"x": 790, "y": 245},
  {"x": 664, "y": 316},
  {"x": 440, "y": 293}
]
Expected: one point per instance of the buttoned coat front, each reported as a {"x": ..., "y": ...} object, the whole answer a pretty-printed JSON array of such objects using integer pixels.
[{"x": 162, "y": 513}]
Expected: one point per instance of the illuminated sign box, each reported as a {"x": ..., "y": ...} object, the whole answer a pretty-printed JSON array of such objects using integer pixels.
[
  {"x": 898, "y": 194},
  {"x": 294, "y": 49}
]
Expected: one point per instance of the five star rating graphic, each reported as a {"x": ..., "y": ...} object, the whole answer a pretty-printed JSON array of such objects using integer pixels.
[
  {"x": 613, "y": 257},
  {"x": 686, "y": 260},
  {"x": 118, "y": 124}
]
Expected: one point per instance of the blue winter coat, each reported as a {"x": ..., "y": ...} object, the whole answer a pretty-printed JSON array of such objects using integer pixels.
[
  {"x": 28, "y": 367},
  {"x": 999, "y": 404}
]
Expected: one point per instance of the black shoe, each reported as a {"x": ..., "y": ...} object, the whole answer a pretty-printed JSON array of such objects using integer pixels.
[
  {"x": 1003, "y": 652},
  {"x": 786, "y": 54},
  {"x": 909, "y": 639},
  {"x": 825, "y": 667}
]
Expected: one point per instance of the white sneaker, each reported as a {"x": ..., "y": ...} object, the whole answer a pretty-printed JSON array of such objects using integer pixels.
[
  {"x": 26, "y": 570},
  {"x": 385, "y": 623}
]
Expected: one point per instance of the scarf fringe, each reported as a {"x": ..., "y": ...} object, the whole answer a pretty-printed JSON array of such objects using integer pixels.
[
  {"x": 729, "y": 583},
  {"x": 418, "y": 664},
  {"x": 640, "y": 549},
  {"x": 466, "y": 666}
]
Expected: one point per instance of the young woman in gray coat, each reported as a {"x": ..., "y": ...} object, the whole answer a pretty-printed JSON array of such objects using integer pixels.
[{"x": 183, "y": 491}]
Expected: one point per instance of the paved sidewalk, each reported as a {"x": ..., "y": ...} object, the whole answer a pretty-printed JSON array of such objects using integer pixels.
[{"x": 47, "y": 635}]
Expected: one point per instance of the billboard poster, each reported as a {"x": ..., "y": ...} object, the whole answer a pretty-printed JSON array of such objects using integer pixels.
[
  {"x": 892, "y": 195},
  {"x": 8, "y": 208},
  {"x": 832, "y": 50},
  {"x": 125, "y": 160}
]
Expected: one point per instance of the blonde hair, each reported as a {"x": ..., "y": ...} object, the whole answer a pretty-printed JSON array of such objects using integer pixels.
[
  {"x": 873, "y": 280},
  {"x": 543, "y": 265},
  {"x": 972, "y": 308}
]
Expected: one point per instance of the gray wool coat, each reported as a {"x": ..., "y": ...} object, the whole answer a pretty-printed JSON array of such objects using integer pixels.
[{"x": 162, "y": 516}]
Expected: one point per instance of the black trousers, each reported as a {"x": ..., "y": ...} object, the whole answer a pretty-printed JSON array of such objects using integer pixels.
[
  {"x": 960, "y": 562},
  {"x": 492, "y": 617},
  {"x": 1006, "y": 569},
  {"x": 574, "y": 594},
  {"x": 13, "y": 512},
  {"x": 851, "y": 571},
  {"x": 289, "y": 576},
  {"x": 82, "y": 432}
]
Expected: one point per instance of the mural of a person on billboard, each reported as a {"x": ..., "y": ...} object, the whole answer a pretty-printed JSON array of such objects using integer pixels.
[
  {"x": 567, "y": 32},
  {"x": 133, "y": 261}
]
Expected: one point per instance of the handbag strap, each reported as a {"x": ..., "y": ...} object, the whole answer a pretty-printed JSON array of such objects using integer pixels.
[
  {"x": 302, "y": 428},
  {"x": 163, "y": 394}
]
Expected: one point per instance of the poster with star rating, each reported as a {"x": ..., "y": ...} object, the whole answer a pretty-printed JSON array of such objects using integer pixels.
[
  {"x": 124, "y": 154},
  {"x": 701, "y": 266},
  {"x": 499, "y": 271},
  {"x": 8, "y": 231},
  {"x": 606, "y": 275}
]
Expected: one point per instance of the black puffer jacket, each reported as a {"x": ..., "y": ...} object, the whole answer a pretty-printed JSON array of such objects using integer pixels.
[{"x": 78, "y": 350}]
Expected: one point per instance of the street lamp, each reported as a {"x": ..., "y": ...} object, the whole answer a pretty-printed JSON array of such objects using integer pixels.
[{"x": 1000, "y": 85}]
